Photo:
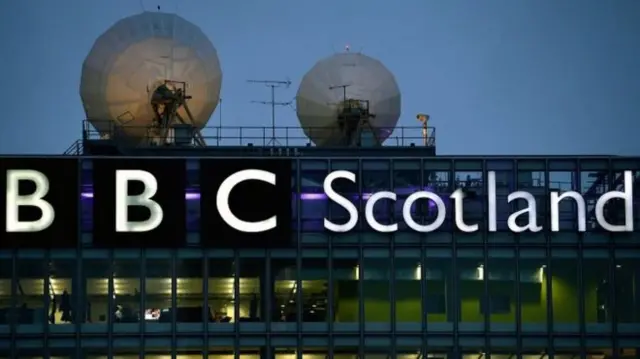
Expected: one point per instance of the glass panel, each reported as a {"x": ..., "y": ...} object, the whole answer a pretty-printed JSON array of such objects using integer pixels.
[
  {"x": 473, "y": 352},
  {"x": 597, "y": 290},
  {"x": 6, "y": 271},
  {"x": 438, "y": 180},
  {"x": 627, "y": 289},
  {"x": 285, "y": 288},
  {"x": 471, "y": 275},
  {"x": 126, "y": 286},
  {"x": 408, "y": 353},
  {"x": 376, "y": 274},
  {"x": 440, "y": 304},
  {"x": 158, "y": 287},
  {"x": 313, "y": 205},
  {"x": 221, "y": 289},
  {"x": 564, "y": 290},
  {"x": 30, "y": 293},
  {"x": 532, "y": 283},
  {"x": 251, "y": 273},
  {"x": 96, "y": 302},
  {"x": 95, "y": 353},
  {"x": 62, "y": 273},
  {"x": 408, "y": 286},
  {"x": 189, "y": 291},
  {"x": 346, "y": 287},
  {"x": 315, "y": 274},
  {"x": 121, "y": 353},
  {"x": 501, "y": 300}
]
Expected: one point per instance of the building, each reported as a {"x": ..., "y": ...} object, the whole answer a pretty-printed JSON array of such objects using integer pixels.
[{"x": 405, "y": 295}]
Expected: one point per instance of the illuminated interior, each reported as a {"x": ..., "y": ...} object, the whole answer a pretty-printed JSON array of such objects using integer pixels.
[{"x": 539, "y": 283}]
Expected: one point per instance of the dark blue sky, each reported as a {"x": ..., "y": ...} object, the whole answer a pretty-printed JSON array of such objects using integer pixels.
[{"x": 497, "y": 76}]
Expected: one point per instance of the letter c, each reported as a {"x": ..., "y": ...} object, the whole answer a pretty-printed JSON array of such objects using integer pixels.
[{"x": 222, "y": 201}]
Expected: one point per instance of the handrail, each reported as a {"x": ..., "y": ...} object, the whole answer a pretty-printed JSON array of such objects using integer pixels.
[{"x": 286, "y": 136}]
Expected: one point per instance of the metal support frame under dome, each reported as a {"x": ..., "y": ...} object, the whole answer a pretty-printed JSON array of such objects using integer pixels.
[{"x": 166, "y": 100}]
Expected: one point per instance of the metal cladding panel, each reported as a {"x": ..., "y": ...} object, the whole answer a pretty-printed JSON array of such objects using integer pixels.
[
  {"x": 366, "y": 78},
  {"x": 133, "y": 57}
]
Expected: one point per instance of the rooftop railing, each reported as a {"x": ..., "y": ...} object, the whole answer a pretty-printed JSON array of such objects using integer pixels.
[{"x": 256, "y": 135}]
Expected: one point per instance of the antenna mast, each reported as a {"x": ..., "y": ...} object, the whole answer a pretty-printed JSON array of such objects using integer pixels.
[{"x": 273, "y": 85}]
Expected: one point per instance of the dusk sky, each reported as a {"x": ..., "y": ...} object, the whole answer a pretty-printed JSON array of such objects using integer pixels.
[{"x": 497, "y": 76}]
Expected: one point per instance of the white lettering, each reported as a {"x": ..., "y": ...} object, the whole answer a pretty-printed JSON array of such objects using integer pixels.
[
  {"x": 555, "y": 210},
  {"x": 492, "y": 199},
  {"x": 124, "y": 201},
  {"x": 531, "y": 209},
  {"x": 15, "y": 200},
  {"x": 406, "y": 211},
  {"x": 627, "y": 196},
  {"x": 458, "y": 197},
  {"x": 343, "y": 202},
  {"x": 222, "y": 201}
]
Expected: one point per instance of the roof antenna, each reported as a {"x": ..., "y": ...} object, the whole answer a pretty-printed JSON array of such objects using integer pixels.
[{"x": 273, "y": 141}]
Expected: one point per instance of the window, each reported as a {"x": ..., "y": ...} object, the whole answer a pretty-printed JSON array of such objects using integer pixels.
[{"x": 495, "y": 304}]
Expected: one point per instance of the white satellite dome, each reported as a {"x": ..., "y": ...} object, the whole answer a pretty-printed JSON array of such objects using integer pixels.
[
  {"x": 347, "y": 76},
  {"x": 137, "y": 55}
]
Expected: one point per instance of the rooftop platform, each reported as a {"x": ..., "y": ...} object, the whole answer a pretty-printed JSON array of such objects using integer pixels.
[{"x": 230, "y": 141}]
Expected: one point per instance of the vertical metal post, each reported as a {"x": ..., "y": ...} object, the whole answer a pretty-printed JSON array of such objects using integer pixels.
[
  {"x": 576, "y": 185},
  {"x": 46, "y": 298},
  {"x": 206, "y": 309},
  {"x": 331, "y": 285},
  {"x": 486, "y": 300},
  {"x": 14, "y": 302},
  {"x": 273, "y": 112},
  {"x": 454, "y": 276},
  {"x": 613, "y": 277},
  {"x": 110, "y": 305},
  {"x": 423, "y": 273},
  {"x": 391, "y": 294},
  {"x": 143, "y": 294},
  {"x": 80, "y": 288},
  {"x": 220, "y": 123},
  {"x": 361, "y": 297},
  {"x": 298, "y": 280},
  {"x": 549, "y": 269},
  {"x": 174, "y": 307}
]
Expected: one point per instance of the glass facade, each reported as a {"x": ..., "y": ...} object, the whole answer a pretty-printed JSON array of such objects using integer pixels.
[{"x": 445, "y": 294}]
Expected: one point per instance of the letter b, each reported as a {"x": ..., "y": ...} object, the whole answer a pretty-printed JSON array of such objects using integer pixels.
[
  {"x": 124, "y": 201},
  {"x": 15, "y": 201}
]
